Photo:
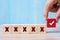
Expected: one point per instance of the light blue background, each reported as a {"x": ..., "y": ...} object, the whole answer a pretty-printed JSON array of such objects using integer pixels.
[{"x": 22, "y": 12}]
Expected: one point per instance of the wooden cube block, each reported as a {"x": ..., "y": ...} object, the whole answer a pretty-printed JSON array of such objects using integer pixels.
[
  {"x": 24, "y": 28},
  {"x": 15, "y": 29},
  {"x": 6, "y": 29},
  {"x": 41, "y": 29},
  {"x": 33, "y": 29}
]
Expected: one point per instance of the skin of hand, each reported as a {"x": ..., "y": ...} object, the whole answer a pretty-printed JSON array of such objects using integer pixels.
[
  {"x": 52, "y": 6},
  {"x": 58, "y": 15}
]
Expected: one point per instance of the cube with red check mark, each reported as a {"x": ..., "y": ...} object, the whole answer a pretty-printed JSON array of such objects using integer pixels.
[{"x": 51, "y": 23}]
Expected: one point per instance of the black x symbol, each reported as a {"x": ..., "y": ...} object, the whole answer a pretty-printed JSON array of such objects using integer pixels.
[
  {"x": 42, "y": 29},
  {"x": 15, "y": 29},
  {"x": 33, "y": 29},
  {"x": 24, "y": 29},
  {"x": 6, "y": 29}
]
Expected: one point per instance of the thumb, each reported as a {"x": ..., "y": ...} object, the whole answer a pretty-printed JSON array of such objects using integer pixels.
[{"x": 58, "y": 15}]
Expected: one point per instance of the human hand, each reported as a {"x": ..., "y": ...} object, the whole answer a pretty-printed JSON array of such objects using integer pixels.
[{"x": 52, "y": 6}]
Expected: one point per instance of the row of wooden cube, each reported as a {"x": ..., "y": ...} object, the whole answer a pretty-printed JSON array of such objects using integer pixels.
[{"x": 20, "y": 27}]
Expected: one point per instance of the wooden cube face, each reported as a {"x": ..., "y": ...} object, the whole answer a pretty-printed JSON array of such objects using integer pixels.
[
  {"x": 15, "y": 29},
  {"x": 6, "y": 29},
  {"x": 33, "y": 29},
  {"x": 24, "y": 29},
  {"x": 42, "y": 29}
]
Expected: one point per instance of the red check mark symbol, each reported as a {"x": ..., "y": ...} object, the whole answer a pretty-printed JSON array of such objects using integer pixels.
[{"x": 51, "y": 23}]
